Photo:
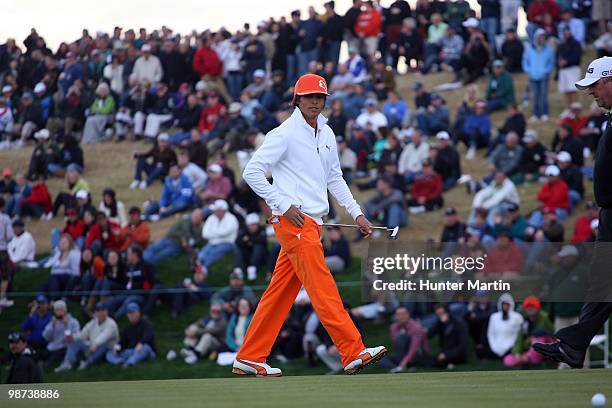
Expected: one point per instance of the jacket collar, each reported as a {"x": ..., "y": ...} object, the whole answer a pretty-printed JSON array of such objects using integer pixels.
[{"x": 299, "y": 118}]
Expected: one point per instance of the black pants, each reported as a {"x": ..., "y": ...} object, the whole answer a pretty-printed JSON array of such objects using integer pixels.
[
  {"x": 594, "y": 314},
  {"x": 63, "y": 199}
]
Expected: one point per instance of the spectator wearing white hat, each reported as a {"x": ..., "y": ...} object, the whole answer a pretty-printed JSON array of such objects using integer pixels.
[
  {"x": 554, "y": 197},
  {"x": 259, "y": 84},
  {"x": 148, "y": 67},
  {"x": 44, "y": 100},
  {"x": 218, "y": 186},
  {"x": 100, "y": 115},
  {"x": 59, "y": 331},
  {"x": 572, "y": 175},
  {"x": 371, "y": 118},
  {"x": 251, "y": 247},
  {"x": 446, "y": 159},
  {"x": 221, "y": 231}
]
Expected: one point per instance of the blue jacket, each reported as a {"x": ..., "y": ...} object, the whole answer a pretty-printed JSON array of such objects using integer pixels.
[
  {"x": 35, "y": 325},
  {"x": 479, "y": 123},
  {"x": 177, "y": 194},
  {"x": 71, "y": 74},
  {"x": 230, "y": 337},
  {"x": 538, "y": 64},
  {"x": 397, "y": 110}
]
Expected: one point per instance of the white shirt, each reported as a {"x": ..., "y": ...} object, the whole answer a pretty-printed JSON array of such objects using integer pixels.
[
  {"x": 501, "y": 333},
  {"x": 219, "y": 231},
  {"x": 491, "y": 196},
  {"x": 304, "y": 168},
  {"x": 196, "y": 176},
  {"x": 22, "y": 248},
  {"x": 149, "y": 69},
  {"x": 377, "y": 119},
  {"x": 411, "y": 159},
  {"x": 115, "y": 76}
]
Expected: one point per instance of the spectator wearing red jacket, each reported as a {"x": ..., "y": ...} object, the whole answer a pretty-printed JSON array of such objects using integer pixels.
[
  {"x": 426, "y": 190},
  {"x": 554, "y": 196},
  {"x": 38, "y": 203},
  {"x": 582, "y": 227},
  {"x": 74, "y": 227},
  {"x": 104, "y": 234},
  {"x": 368, "y": 27},
  {"x": 536, "y": 12},
  {"x": 214, "y": 113},
  {"x": 208, "y": 66},
  {"x": 505, "y": 258},
  {"x": 575, "y": 118}
]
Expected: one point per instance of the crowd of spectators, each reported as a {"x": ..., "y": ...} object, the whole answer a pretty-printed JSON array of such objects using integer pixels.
[{"x": 200, "y": 98}]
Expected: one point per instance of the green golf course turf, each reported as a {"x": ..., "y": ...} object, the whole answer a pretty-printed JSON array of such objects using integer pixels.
[{"x": 516, "y": 389}]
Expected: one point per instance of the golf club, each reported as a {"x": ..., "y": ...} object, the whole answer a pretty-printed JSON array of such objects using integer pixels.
[{"x": 393, "y": 232}]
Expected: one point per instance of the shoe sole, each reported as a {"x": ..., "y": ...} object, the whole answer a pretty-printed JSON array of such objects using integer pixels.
[
  {"x": 242, "y": 373},
  {"x": 556, "y": 357},
  {"x": 373, "y": 360}
]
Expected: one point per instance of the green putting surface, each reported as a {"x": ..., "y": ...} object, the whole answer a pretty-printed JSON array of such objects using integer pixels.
[{"x": 515, "y": 389}]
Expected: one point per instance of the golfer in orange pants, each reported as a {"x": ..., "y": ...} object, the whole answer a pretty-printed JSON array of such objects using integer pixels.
[{"x": 302, "y": 156}]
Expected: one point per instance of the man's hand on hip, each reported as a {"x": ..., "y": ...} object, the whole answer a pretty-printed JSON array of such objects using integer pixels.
[
  {"x": 365, "y": 228},
  {"x": 295, "y": 216}
]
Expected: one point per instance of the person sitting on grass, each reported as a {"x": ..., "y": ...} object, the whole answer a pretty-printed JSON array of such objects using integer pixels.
[
  {"x": 500, "y": 89},
  {"x": 38, "y": 203},
  {"x": 387, "y": 206},
  {"x": 183, "y": 236},
  {"x": 409, "y": 339},
  {"x": 65, "y": 268},
  {"x": 502, "y": 330},
  {"x": 22, "y": 248},
  {"x": 536, "y": 328},
  {"x": 476, "y": 130},
  {"x": 238, "y": 324},
  {"x": 113, "y": 208},
  {"x": 228, "y": 296},
  {"x": 533, "y": 158},
  {"x": 554, "y": 196},
  {"x": 136, "y": 232},
  {"x": 162, "y": 156},
  {"x": 58, "y": 330},
  {"x": 98, "y": 336},
  {"x": 251, "y": 247},
  {"x": 218, "y": 186},
  {"x": 189, "y": 291},
  {"x": 103, "y": 235},
  {"x": 177, "y": 196},
  {"x": 204, "y": 337},
  {"x": 221, "y": 231},
  {"x": 453, "y": 338},
  {"x": 337, "y": 251},
  {"x": 137, "y": 342},
  {"x": 426, "y": 190},
  {"x": 75, "y": 183}
]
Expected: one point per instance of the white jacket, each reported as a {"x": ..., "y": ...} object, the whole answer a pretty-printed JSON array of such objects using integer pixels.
[
  {"x": 150, "y": 69},
  {"x": 492, "y": 195},
  {"x": 303, "y": 167},
  {"x": 196, "y": 175},
  {"x": 411, "y": 159},
  {"x": 501, "y": 333},
  {"x": 219, "y": 231},
  {"x": 377, "y": 119},
  {"x": 22, "y": 248},
  {"x": 104, "y": 334}
]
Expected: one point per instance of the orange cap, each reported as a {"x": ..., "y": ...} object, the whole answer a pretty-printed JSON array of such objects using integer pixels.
[
  {"x": 310, "y": 84},
  {"x": 532, "y": 301}
]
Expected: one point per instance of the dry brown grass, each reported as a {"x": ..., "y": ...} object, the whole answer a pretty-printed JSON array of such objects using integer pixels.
[{"x": 111, "y": 165}]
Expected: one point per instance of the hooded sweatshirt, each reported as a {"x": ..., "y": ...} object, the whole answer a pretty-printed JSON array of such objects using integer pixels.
[{"x": 503, "y": 331}]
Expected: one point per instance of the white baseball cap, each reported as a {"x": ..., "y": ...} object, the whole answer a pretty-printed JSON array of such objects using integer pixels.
[
  {"x": 597, "y": 69},
  {"x": 594, "y": 224},
  {"x": 215, "y": 168},
  {"x": 471, "y": 22},
  {"x": 40, "y": 87},
  {"x": 42, "y": 134},
  {"x": 442, "y": 135},
  {"x": 7, "y": 88},
  {"x": 145, "y": 48},
  {"x": 259, "y": 73},
  {"x": 219, "y": 205},
  {"x": 201, "y": 86},
  {"x": 552, "y": 170},
  {"x": 530, "y": 136},
  {"x": 568, "y": 250},
  {"x": 163, "y": 137},
  {"x": 564, "y": 157},
  {"x": 252, "y": 218},
  {"x": 82, "y": 195}
]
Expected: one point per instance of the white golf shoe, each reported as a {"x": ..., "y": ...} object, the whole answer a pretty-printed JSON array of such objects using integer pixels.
[
  {"x": 246, "y": 367},
  {"x": 368, "y": 356}
]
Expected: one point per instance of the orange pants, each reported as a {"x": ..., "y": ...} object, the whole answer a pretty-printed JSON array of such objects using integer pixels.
[{"x": 300, "y": 262}]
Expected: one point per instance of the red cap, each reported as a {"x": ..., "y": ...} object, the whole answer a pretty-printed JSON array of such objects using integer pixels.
[
  {"x": 310, "y": 84},
  {"x": 532, "y": 301},
  {"x": 7, "y": 172}
]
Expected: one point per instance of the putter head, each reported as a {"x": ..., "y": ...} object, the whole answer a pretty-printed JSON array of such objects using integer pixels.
[{"x": 394, "y": 233}]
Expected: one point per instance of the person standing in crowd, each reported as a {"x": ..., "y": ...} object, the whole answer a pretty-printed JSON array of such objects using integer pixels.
[
  {"x": 538, "y": 63},
  {"x": 573, "y": 342},
  {"x": 297, "y": 215}
]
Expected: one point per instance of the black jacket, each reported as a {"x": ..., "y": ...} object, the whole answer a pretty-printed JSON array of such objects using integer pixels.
[
  {"x": 572, "y": 145},
  {"x": 24, "y": 369},
  {"x": 447, "y": 163},
  {"x": 453, "y": 337},
  {"x": 141, "y": 332},
  {"x": 515, "y": 123},
  {"x": 188, "y": 118},
  {"x": 452, "y": 233},
  {"x": 532, "y": 159},
  {"x": 512, "y": 52},
  {"x": 602, "y": 169},
  {"x": 198, "y": 154},
  {"x": 573, "y": 178}
]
